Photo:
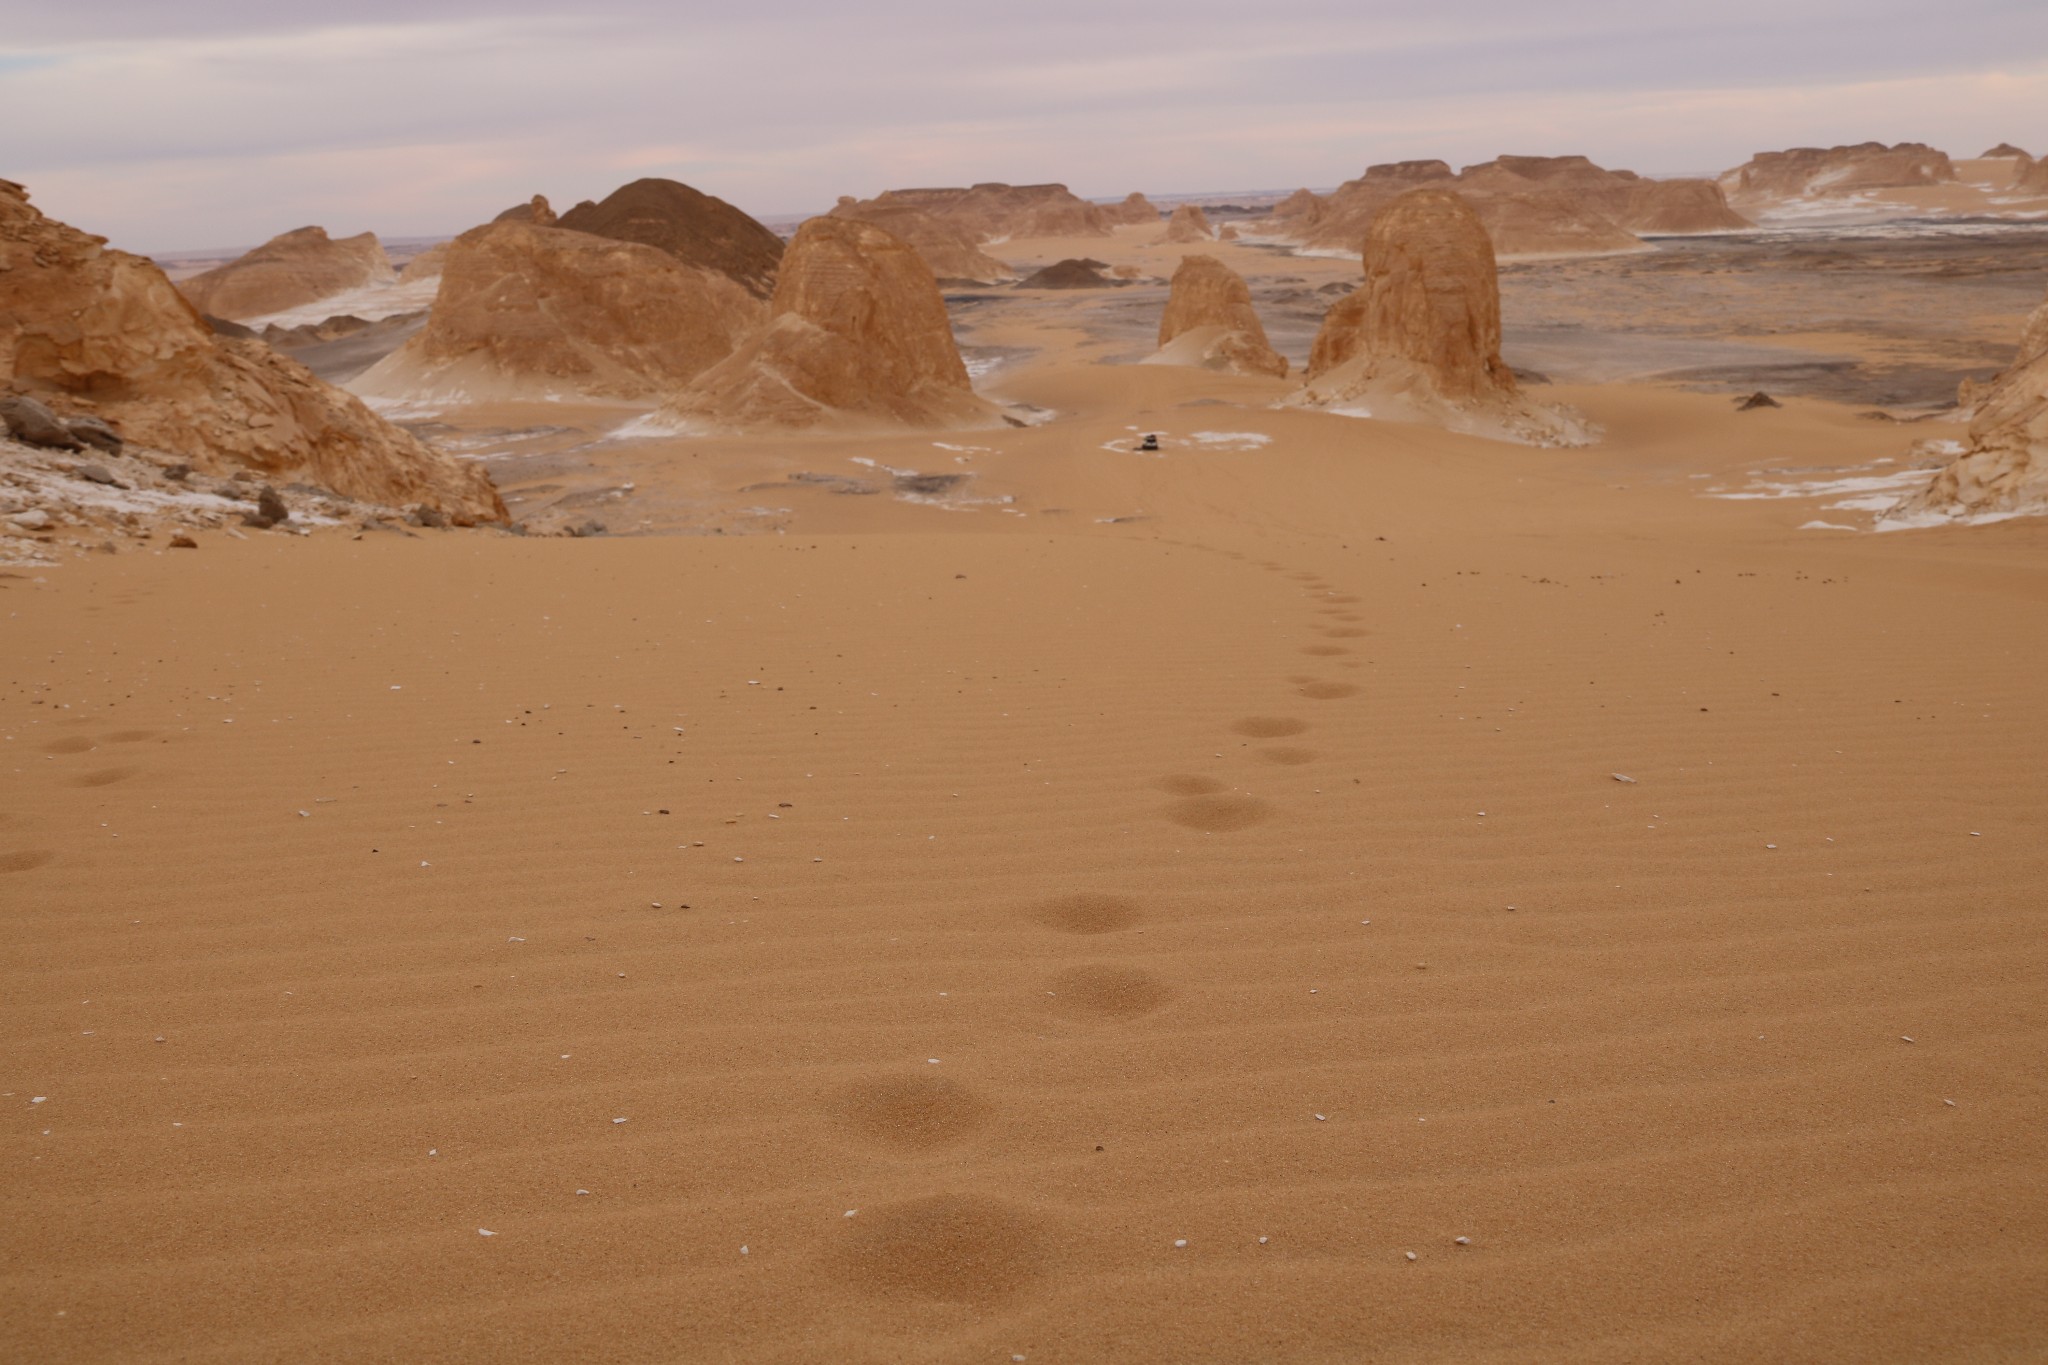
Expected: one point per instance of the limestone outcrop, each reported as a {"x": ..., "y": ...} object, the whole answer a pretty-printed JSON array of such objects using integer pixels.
[
  {"x": 1210, "y": 321},
  {"x": 696, "y": 228},
  {"x": 1530, "y": 205},
  {"x": 2003, "y": 467},
  {"x": 1076, "y": 272},
  {"x": 1768, "y": 179},
  {"x": 1188, "y": 224},
  {"x": 2031, "y": 177},
  {"x": 425, "y": 266},
  {"x": 534, "y": 312},
  {"x": 994, "y": 212},
  {"x": 857, "y": 337},
  {"x": 289, "y": 271},
  {"x": 947, "y": 248},
  {"x": 1135, "y": 211},
  {"x": 536, "y": 211},
  {"x": 2004, "y": 149},
  {"x": 93, "y": 332},
  {"x": 1420, "y": 339}
]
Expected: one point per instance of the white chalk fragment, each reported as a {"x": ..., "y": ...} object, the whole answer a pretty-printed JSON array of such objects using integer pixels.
[
  {"x": 618, "y": 1120},
  {"x": 1262, "y": 1241},
  {"x": 1462, "y": 1241},
  {"x": 481, "y": 1232},
  {"x": 1322, "y": 1118},
  {"x": 1180, "y": 1242},
  {"x": 1409, "y": 1254},
  {"x": 1904, "y": 1039},
  {"x": 1623, "y": 777},
  {"x": 583, "y": 1191},
  {"x": 743, "y": 1251}
]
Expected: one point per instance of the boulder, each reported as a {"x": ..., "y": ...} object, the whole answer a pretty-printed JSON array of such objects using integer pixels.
[
  {"x": 289, "y": 271},
  {"x": 696, "y": 228},
  {"x": 1420, "y": 339},
  {"x": 1073, "y": 273},
  {"x": 857, "y": 336},
  {"x": 1210, "y": 321},
  {"x": 2003, "y": 467},
  {"x": 1188, "y": 224},
  {"x": 33, "y": 423},
  {"x": 100, "y": 333},
  {"x": 534, "y": 312},
  {"x": 95, "y": 432},
  {"x": 535, "y": 211}
]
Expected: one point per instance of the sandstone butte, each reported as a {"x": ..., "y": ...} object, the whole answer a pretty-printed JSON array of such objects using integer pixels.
[
  {"x": 1135, "y": 211},
  {"x": 2005, "y": 149},
  {"x": 1771, "y": 177},
  {"x": 1530, "y": 205},
  {"x": 524, "y": 309},
  {"x": 857, "y": 337},
  {"x": 92, "y": 331},
  {"x": 1188, "y": 224},
  {"x": 949, "y": 249},
  {"x": 289, "y": 271},
  {"x": 2004, "y": 465},
  {"x": 695, "y": 228},
  {"x": 1209, "y": 321},
  {"x": 994, "y": 212},
  {"x": 1420, "y": 338}
]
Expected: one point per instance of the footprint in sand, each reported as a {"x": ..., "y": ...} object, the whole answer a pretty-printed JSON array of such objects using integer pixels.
[
  {"x": 1288, "y": 756},
  {"x": 1088, "y": 912},
  {"x": 1326, "y": 691},
  {"x": 913, "y": 1112},
  {"x": 27, "y": 860},
  {"x": 71, "y": 744},
  {"x": 955, "y": 1248},
  {"x": 1106, "y": 991},
  {"x": 1343, "y": 597},
  {"x": 1324, "y": 651},
  {"x": 104, "y": 777},
  {"x": 131, "y": 736},
  {"x": 1270, "y": 727},
  {"x": 1219, "y": 814},
  {"x": 1343, "y": 633},
  {"x": 1188, "y": 784}
]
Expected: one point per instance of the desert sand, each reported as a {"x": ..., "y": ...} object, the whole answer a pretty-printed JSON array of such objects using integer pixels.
[{"x": 1323, "y": 889}]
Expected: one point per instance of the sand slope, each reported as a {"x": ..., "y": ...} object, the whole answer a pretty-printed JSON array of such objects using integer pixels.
[{"x": 960, "y": 922}]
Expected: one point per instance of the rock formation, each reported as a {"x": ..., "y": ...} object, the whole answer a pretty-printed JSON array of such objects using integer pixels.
[
  {"x": 994, "y": 212},
  {"x": 1770, "y": 178},
  {"x": 425, "y": 266},
  {"x": 695, "y": 228},
  {"x": 2003, "y": 467},
  {"x": 1530, "y": 205},
  {"x": 947, "y": 248},
  {"x": 289, "y": 271},
  {"x": 2031, "y": 178},
  {"x": 1072, "y": 273},
  {"x": 1135, "y": 211},
  {"x": 2004, "y": 149},
  {"x": 1420, "y": 339},
  {"x": 99, "y": 333},
  {"x": 526, "y": 312},
  {"x": 536, "y": 211},
  {"x": 1209, "y": 321},
  {"x": 1188, "y": 224},
  {"x": 857, "y": 336}
]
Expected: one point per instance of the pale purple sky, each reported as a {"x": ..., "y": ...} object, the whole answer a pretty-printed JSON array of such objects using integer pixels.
[{"x": 168, "y": 125}]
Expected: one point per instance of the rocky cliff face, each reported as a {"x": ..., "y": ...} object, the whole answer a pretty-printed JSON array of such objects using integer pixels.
[
  {"x": 1209, "y": 320},
  {"x": 995, "y": 212},
  {"x": 287, "y": 272},
  {"x": 2004, "y": 464},
  {"x": 949, "y": 249},
  {"x": 527, "y": 312},
  {"x": 94, "y": 332},
  {"x": 1771, "y": 177},
  {"x": 857, "y": 336}
]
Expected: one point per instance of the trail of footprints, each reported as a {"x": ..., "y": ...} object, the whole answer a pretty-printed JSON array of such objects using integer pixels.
[
  {"x": 29, "y": 859},
  {"x": 977, "y": 1250}
]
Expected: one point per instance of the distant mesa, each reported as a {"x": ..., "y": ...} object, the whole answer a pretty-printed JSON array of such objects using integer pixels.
[
  {"x": 2004, "y": 149},
  {"x": 857, "y": 336},
  {"x": 97, "y": 333},
  {"x": 536, "y": 211},
  {"x": 1135, "y": 211},
  {"x": 1530, "y": 205},
  {"x": 949, "y": 249},
  {"x": 1420, "y": 339},
  {"x": 1210, "y": 321},
  {"x": 1081, "y": 272},
  {"x": 994, "y": 212},
  {"x": 695, "y": 228},
  {"x": 1768, "y": 179},
  {"x": 1188, "y": 224},
  {"x": 289, "y": 271},
  {"x": 2003, "y": 468},
  {"x": 526, "y": 311}
]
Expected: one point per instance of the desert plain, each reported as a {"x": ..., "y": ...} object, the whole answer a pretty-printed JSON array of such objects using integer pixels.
[{"x": 1152, "y": 869}]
